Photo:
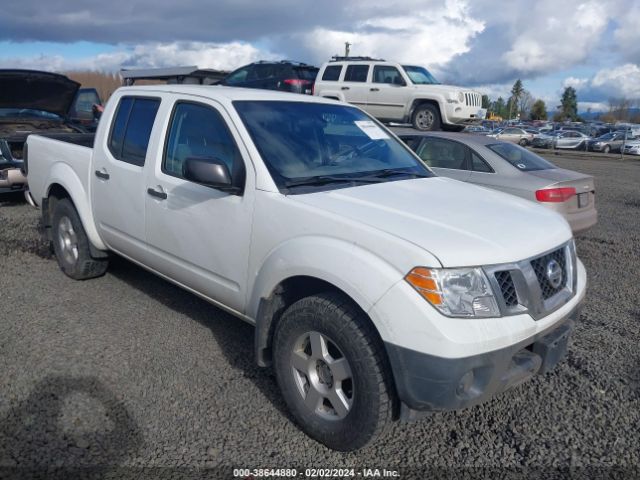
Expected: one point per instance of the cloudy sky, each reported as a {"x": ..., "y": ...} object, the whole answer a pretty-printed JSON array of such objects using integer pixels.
[{"x": 593, "y": 46}]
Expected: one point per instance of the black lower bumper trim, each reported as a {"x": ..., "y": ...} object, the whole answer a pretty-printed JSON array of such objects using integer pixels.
[{"x": 429, "y": 383}]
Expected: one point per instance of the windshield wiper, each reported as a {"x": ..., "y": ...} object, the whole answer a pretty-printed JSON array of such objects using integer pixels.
[
  {"x": 326, "y": 179},
  {"x": 390, "y": 172}
]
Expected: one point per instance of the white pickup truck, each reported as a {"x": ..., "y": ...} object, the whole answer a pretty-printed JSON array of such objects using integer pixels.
[{"x": 377, "y": 289}]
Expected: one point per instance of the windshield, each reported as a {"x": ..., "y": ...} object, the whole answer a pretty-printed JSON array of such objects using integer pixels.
[
  {"x": 420, "y": 75},
  {"x": 315, "y": 145},
  {"x": 27, "y": 113},
  {"x": 520, "y": 158},
  {"x": 606, "y": 136}
]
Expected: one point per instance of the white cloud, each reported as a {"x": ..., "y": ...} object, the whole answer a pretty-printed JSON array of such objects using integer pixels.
[
  {"x": 627, "y": 34},
  {"x": 553, "y": 35},
  {"x": 623, "y": 80},
  {"x": 429, "y": 36},
  {"x": 574, "y": 82},
  {"x": 592, "y": 106},
  {"x": 225, "y": 56}
]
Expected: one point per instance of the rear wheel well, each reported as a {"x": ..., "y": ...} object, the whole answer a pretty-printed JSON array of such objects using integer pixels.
[
  {"x": 56, "y": 192},
  {"x": 283, "y": 295}
]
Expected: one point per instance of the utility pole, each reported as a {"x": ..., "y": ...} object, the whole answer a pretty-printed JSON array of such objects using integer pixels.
[{"x": 347, "y": 47}]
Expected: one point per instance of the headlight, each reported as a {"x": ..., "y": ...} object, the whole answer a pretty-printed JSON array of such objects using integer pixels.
[
  {"x": 455, "y": 292},
  {"x": 461, "y": 97}
]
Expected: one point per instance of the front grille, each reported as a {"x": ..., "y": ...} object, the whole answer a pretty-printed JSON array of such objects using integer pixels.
[
  {"x": 507, "y": 287},
  {"x": 472, "y": 99},
  {"x": 539, "y": 266}
]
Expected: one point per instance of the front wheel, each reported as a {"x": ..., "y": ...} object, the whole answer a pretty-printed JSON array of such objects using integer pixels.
[
  {"x": 606, "y": 149},
  {"x": 523, "y": 142},
  {"x": 426, "y": 118},
  {"x": 71, "y": 244},
  {"x": 332, "y": 371}
]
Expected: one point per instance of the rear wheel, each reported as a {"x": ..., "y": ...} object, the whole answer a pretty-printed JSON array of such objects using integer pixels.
[
  {"x": 426, "y": 117},
  {"x": 71, "y": 244},
  {"x": 333, "y": 372},
  {"x": 523, "y": 142}
]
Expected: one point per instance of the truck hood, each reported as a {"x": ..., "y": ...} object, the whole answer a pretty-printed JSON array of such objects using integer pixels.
[
  {"x": 30, "y": 89},
  {"x": 458, "y": 223}
]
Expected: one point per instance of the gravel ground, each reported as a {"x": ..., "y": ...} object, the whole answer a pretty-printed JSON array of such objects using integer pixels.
[{"x": 127, "y": 375}]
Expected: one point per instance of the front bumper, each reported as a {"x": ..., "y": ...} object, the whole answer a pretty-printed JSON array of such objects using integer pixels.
[
  {"x": 429, "y": 383},
  {"x": 12, "y": 179}
]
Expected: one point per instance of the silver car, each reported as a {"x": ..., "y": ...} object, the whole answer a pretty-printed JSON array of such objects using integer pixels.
[
  {"x": 610, "y": 142},
  {"x": 509, "y": 168},
  {"x": 571, "y": 139},
  {"x": 516, "y": 135}
]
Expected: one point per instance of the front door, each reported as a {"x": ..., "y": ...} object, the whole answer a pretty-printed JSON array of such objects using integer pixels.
[
  {"x": 198, "y": 235},
  {"x": 388, "y": 94}
]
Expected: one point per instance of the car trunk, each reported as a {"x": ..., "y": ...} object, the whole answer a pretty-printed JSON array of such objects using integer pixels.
[{"x": 583, "y": 184}]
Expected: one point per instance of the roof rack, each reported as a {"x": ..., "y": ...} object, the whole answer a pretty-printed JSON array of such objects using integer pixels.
[
  {"x": 337, "y": 58},
  {"x": 295, "y": 62},
  {"x": 174, "y": 75}
]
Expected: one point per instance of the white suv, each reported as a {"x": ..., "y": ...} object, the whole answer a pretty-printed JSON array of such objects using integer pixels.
[{"x": 393, "y": 92}]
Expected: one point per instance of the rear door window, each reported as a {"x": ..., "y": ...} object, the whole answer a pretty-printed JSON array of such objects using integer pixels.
[
  {"x": 132, "y": 128},
  {"x": 356, "y": 73},
  {"x": 479, "y": 165}
]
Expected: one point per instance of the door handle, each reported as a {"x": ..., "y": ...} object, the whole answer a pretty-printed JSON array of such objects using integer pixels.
[
  {"x": 102, "y": 174},
  {"x": 374, "y": 89},
  {"x": 344, "y": 88},
  {"x": 159, "y": 194}
]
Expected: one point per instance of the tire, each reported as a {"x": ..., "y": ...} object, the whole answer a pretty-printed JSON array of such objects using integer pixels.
[
  {"x": 350, "y": 370},
  {"x": 426, "y": 118},
  {"x": 606, "y": 149},
  {"x": 71, "y": 245},
  {"x": 523, "y": 142}
]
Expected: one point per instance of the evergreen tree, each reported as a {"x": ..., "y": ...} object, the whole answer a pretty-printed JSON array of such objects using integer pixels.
[
  {"x": 539, "y": 110},
  {"x": 569, "y": 104}
]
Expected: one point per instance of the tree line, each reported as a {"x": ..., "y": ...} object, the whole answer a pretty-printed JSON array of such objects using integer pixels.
[{"x": 523, "y": 106}]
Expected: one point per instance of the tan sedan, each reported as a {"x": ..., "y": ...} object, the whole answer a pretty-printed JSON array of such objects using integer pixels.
[{"x": 515, "y": 135}]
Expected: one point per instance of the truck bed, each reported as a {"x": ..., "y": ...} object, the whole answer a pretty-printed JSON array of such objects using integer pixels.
[
  {"x": 63, "y": 158},
  {"x": 82, "y": 139}
]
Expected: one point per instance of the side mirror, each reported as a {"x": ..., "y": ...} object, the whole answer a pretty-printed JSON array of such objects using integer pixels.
[{"x": 209, "y": 171}]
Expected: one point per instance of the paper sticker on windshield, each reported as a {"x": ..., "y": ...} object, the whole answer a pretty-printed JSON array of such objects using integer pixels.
[{"x": 371, "y": 130}]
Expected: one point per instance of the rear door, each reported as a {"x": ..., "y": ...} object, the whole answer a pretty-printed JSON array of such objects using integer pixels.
[
  {"x": 445, "y": 157},
  {"x": 198, "y": 235},
  {"x": 354, "y": 87},
  {"x": 388, "y": 94},
  {"x": 117, "y": 178}
]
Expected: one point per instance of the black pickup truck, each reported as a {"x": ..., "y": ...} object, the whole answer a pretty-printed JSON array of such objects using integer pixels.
[{"x": 31, "y": 102}]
